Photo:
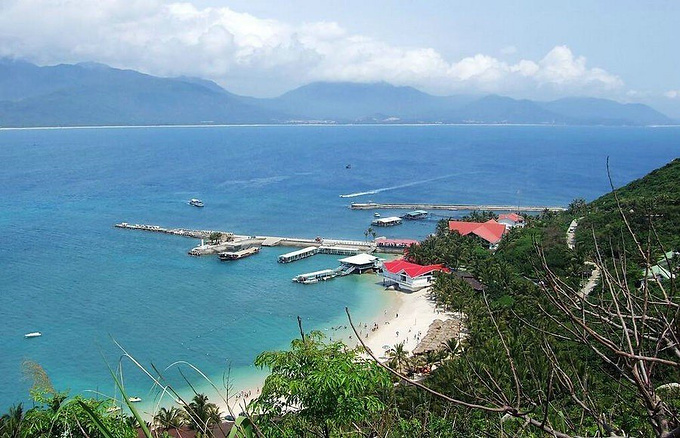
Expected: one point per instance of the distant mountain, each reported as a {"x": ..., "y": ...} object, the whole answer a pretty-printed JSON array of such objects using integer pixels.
[
  {"x": 96, "y": 94},
  {"x": 606, "y": 112},
  {"x": 376, "y": 102}
]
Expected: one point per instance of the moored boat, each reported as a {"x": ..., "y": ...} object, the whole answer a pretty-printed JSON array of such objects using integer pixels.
[
  {"x": 235, "y": 255},
  {"x": 134, "y": 399},
  {"x": 415, "y": 215}
]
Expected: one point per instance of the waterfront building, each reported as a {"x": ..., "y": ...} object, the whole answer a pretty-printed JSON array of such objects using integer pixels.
[
  {"x": 511, "y": 220},
  {"x": 489, "y": 231},
  {"x": 409, "y": 276},
  {"x": 358, "y": 264}
]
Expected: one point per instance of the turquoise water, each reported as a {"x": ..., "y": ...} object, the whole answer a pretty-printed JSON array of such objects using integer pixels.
[{"x": 65, "y": 271}]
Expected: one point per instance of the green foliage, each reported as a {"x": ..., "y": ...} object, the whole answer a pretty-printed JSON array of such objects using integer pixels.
[
  {"x": 651, "y": 205},
  {"x": 201, "y": 414},
  {"x": 318, "y": 388},
  {"x": 215, "y": 237}
]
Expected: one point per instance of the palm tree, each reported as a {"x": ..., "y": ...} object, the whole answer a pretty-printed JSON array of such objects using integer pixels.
[
  {"x": 369, "y": 232},
  {"x": 398, "y": 358},
  {"x": 12, "y": 422},
  {"x": 202, "y": 415},
  {"x": 172, "y": 418}
]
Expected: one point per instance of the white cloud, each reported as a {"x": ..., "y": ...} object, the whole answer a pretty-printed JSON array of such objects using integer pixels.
[
  {"x": 251, "y": 54},
  {"x": 672, "y": 94}
]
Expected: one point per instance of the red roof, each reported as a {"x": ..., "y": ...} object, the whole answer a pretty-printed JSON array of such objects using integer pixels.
[
  {"x": 491, "y": 231},
  {"x": 512, "y": 216},
  {"x": 411, "y": 269}
]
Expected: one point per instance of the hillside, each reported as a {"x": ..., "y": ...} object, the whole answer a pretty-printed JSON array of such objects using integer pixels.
[
  {"x": 651, "y": 205},
  {"x": 95, "y": 94}
]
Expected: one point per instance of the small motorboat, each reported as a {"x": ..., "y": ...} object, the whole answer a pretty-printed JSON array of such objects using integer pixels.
[
  {"x": 376, "y": 214},
  {"x": 196, "y": 202},
  {"x": 349, "y": 166},
  {"x": 134, "y": 399},
  {"x": 33, "y": 335}
]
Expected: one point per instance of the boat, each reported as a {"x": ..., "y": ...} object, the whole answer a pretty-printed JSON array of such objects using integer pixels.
[
  {"x": 315, "y": 277},
  {"x": 196, "y": 202},
  {"x": 415, "y": 215},
  {"x": 33, "y": 335},
  {"x": 349, "y": 166},
  {"x": 235, "y": 255},
  {"x": 376, "y": 214},
  {"x": 134, "y": 399},
  {"x": 387, "y": 222}
]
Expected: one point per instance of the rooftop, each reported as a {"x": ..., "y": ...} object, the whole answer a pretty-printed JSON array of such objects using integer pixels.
[
  {"x": 359, "y": 259},
  {"x": 411, "y": 269}
]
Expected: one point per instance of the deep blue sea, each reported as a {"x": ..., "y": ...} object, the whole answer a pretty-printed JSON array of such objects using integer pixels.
[{"x": 65, "y": 271}]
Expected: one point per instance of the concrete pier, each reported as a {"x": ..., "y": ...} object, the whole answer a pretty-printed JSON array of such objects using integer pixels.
[
  {"x": 229, "y": 239},
  {"x": 451, "y": 207}
]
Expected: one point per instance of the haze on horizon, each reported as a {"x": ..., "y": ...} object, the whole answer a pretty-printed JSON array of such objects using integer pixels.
[{"x": 619, "y": 49}]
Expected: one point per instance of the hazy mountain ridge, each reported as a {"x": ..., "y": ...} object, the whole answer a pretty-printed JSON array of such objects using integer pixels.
[{"x": 96, "y": 94}]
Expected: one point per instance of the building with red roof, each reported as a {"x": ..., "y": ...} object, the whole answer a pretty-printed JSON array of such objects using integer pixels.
[
  {"x": 490, "y": 231},
  {"x": 409, "y": 276},
  {"x": 511, "y": 220}
]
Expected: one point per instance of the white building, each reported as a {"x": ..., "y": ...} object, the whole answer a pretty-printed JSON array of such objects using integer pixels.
[{"x": 409, "y": 276}]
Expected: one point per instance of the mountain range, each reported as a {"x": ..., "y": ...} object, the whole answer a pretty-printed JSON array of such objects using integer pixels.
[{"x": 95, "y": 94}]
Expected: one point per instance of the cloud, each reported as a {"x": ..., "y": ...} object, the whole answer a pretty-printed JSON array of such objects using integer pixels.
[{"x": 250, "y": 54}]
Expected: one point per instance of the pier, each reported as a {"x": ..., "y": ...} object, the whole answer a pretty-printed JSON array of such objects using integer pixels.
[
  {"x": 235, "y": 242},
  {"x": 452, "y": 207}
]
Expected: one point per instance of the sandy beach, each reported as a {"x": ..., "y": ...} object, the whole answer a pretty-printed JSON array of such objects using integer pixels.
[{"x": 405, "y": 320}]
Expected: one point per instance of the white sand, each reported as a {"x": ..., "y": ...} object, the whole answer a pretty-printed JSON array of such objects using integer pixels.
[{"x": 413, "y": 315}]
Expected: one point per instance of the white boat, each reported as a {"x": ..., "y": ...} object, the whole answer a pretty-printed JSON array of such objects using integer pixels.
[
  {"x": 235, "y": 255},
  {"x": 376, "y": 214},
  {"x": 196, "y": 202},
  {"x": 33, "y": 335},
  {"x": 134, "y": 399}
]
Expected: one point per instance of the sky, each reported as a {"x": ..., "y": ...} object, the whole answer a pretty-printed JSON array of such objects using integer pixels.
[{"x": 625, "y": 50}]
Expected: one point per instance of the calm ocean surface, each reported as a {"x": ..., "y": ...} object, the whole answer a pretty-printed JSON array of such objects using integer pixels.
[{"x": 65, "y": 271}]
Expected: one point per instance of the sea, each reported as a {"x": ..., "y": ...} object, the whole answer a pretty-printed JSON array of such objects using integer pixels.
[{"x": 98, "y": 293}]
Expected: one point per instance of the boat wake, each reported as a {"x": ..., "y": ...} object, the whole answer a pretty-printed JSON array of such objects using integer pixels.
[{"x": 400, "y": 186}]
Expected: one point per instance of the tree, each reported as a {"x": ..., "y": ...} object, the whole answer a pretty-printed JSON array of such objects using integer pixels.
[
  {"x": 369, "y": 232},
  {"x": 215, "y": 237},
  {"x": 399, "y": 358},
  {"x": 317, "y": 387},
  {"x": 12, "y": 422},
  {"x": 577, "y": 207},
  {"x": 172, "y": 418},
  {"x": 201, "y": 414}
]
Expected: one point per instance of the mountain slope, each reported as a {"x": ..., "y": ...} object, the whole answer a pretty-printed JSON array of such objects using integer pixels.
[
  {"x": 606, "y": 112},
  {"x": 94, "y": 94},
  {"x": 347, "y": 101}
]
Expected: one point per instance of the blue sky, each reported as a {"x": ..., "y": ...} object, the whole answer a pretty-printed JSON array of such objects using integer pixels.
[{"x": 626, "y": 50}]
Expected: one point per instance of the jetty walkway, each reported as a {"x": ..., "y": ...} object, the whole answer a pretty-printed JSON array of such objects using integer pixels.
[
  {"x": 452, "y": 207},
  {"x": 229, "y": 240}
]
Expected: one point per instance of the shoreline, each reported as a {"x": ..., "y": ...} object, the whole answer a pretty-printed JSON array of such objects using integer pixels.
[{"x": 409, "y": 314}]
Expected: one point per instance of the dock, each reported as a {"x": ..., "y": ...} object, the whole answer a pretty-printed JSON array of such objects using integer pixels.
[
  {"x": 235, "y": 242},
  {"x": 452, "y": 207}
]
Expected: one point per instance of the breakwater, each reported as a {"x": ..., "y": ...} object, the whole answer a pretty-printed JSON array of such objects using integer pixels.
[{"x": 452, "y": 207}]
